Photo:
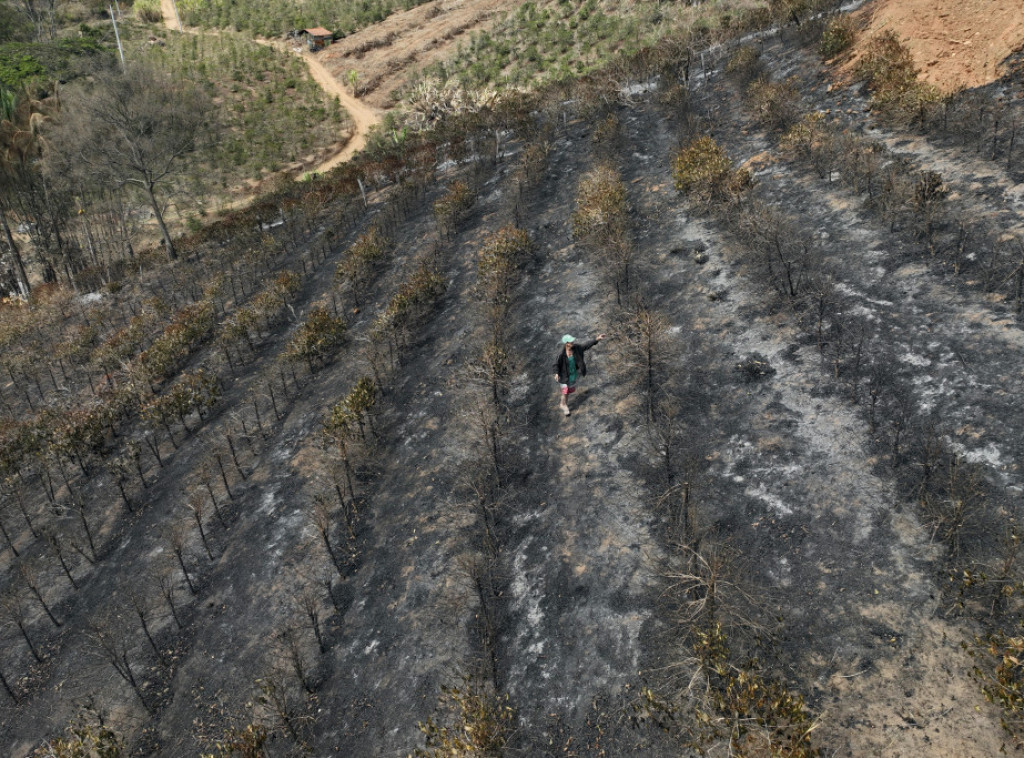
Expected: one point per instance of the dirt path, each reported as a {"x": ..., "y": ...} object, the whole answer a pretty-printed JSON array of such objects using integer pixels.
[
  {"x": 167, "y": 7},
  {"x": 363, "y": 116},
  {"x": 581, "y": 560}
]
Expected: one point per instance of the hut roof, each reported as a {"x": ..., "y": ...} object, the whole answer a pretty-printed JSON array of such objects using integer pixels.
[{"x": 319, "y": 31}]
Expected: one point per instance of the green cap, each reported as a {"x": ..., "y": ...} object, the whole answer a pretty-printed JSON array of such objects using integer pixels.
[{"x": 568, "y": 338}]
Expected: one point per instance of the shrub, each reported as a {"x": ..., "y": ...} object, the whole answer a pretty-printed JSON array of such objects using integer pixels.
[
  {"x": 502, "y": 254},
  {"x": 317, "y": 338},
  {"x": 409, "y": 304},
  {"x": 351, "y": 414},
  {"x": 241, "y": 743},
  {"x": 369, "y": 248},
  {"x": 121, "y": 345},
  {"x": 704, "y": 172},
  {"x": 452, "y": 208},
  {"x": 813, "y": 140},
  {"x": 80, "y": 433},
  {"x": 745, "y": 64},
  {"x": 837, "y": 36},
  {"x": 481, "y": 722},
  {"x": 149, "y": 11},
  {"x": 187, "y": 330},
  {"x": 754, "y": 367},
  {"x": 194, "y": 393},
  {"x": 607, "y": 131},
  {"x": 891, "y": 76},
  {"x": 756, "y": 714},
  {"x": 87, "y": 736},
  {"x": 359, "y": 266},
  {"x": 999, "y": 668},
  {"x": 601, "y": 209},
  {"x": 775, "y": 103}
]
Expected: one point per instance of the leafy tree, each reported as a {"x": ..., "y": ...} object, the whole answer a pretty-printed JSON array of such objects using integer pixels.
[
  {"x": 130, "y": 129},
  {"x": 14, "y": 27}
]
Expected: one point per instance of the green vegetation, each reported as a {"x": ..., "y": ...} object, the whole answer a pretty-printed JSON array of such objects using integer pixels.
[
  {"x": 999, "y": 670},
  {"x": 86, "y": 737},
  {"x": 361, "y": 263},
  {"x": 754, "y": 713},
  {"x": 481, "y": 722},
  {"x": 541, "y": 41},
  {"x": 276, "y": 17},
  {"x": 36, "y": 64},
  {"x": 317, "y": 339},
  {"x": 557, "y": 39},
  {"x": 837, "y": 37},
  {"x": 452, "y": 208},
  {"x": 270, "y": 112}
]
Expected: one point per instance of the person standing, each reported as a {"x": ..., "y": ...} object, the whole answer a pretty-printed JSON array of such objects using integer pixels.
[{"x": 570, "y": 366}]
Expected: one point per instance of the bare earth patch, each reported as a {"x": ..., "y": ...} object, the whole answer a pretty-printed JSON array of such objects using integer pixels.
[{"x": 955, "y": 43}]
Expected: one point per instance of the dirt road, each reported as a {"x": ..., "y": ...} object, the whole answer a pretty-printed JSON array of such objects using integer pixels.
[
  {"x": 363, "y": 117},
  {"x": 170, "y": 12}
]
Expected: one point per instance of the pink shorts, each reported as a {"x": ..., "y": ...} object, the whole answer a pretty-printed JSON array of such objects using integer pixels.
[{"x": 567, "y": 389}]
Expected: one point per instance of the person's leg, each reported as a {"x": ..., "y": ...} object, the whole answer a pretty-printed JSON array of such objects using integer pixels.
[{"x": 566, "y": 391}]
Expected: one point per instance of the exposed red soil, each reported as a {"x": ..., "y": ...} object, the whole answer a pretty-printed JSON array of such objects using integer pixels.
[{"x": 955, "y": 43}]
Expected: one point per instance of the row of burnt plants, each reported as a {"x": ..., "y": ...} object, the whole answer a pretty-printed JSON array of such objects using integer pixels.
[
  {"x": 203, "y": 509},
  {"x": 713, "y": 692},
  {"x": 913, "y": 201},
  {"x": 339, "y": 486},
  {"x": 250, "y": 424},
  {"x": 953, "y": 495},
  {"x": 207, "y": 510},
  {"x": 956, "y": 500},
  {"x": 475, "y": 714},
  {"x": 857, "y": 352},
  {"x": 285, "y": 697},
  {"x": 986, "y": 119}
]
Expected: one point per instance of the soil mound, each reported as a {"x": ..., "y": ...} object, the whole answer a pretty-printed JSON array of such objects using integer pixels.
[{"x": 955, "y": 43}]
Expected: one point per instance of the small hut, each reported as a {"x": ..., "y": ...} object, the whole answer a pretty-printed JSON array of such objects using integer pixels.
[{"x": 317, "y": 38}]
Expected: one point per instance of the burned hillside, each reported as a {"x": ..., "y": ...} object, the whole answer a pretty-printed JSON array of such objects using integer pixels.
[{"x": 307, "y": 489}]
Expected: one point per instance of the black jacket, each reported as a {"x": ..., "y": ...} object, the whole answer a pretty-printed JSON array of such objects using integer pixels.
[{"x": 562, "y": 361}]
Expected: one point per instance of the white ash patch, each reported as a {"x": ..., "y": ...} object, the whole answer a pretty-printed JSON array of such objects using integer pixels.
[
  {"x": 520, "y": 388},
  {"x": 913, "y": 359},
  {"x": 846, "y": 289},
  {"x": 988, "y": 455},
  {"x": 526, "y": 597},
  {"x": 776, "y": 503},
  {"x": 268, "y": 501}
]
